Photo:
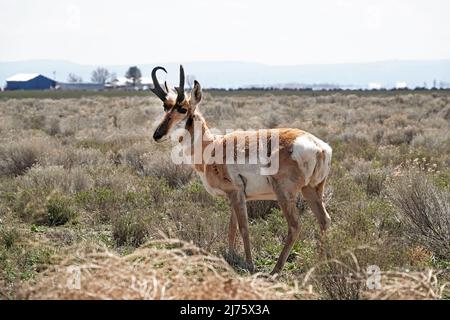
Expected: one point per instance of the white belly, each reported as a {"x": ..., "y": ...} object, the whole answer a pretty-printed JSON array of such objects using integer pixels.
[{"x": 255, "y": 185}]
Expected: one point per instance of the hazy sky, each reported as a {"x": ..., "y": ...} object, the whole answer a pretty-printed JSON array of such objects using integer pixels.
[{"x": 271, "y": 32}]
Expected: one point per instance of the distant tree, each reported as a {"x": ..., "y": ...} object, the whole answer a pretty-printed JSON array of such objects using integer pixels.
[
  {"x": 73, "y": 78},
  {"x": 112, "y": 76},
  {"x": 134, "y": 74},
  {"x": 100, "y": 75}
]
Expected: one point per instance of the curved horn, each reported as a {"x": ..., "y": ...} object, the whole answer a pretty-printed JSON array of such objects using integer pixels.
[
  {"x": 180, "y": 88},
  {"x": 160, "y": 93}
]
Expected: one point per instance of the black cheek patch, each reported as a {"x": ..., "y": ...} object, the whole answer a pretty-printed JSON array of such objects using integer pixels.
[{"x": 164, "y": 126}]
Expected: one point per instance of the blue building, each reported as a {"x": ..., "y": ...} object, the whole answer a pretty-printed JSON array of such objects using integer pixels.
[{"x": 29, "y": 81}]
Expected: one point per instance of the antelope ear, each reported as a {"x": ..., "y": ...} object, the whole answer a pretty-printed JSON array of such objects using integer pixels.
[{"x": 196, "y": 94}]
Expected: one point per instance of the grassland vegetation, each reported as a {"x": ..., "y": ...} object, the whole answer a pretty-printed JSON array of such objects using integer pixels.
[{"x": 83, "y": 172}]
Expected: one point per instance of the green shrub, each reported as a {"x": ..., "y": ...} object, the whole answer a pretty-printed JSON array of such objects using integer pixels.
[
  {"x": 44, "y": 208},
  {"x": 59, "y": 209},
  {"x": 102, "y": 201},
  {"x": 21, "y": 263},
  {"x": 130, "y": 228},
  {"x": 8, "y": 237},
  {"x": 260, "y": 209}
]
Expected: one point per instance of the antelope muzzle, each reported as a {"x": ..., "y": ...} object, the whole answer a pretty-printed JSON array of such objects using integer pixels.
[{"x": 162, "y": 129}]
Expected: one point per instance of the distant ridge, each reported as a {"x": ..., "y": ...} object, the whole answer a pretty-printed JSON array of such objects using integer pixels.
[{"x": 233, "y": 74}]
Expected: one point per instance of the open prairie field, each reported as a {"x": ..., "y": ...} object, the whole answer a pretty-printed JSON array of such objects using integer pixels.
[{"x": 85, "y": 191}]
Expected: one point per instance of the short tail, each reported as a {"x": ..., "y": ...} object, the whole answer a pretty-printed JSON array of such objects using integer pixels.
[{"x": 322, "y": 168}]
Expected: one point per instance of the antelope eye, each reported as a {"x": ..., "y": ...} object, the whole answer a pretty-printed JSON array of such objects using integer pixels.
[
  {"x": 182, "y": 110},
  {"x": 166, "y": 107}
]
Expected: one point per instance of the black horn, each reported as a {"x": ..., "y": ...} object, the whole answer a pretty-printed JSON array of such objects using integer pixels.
[
  {"x": 160, "y": 93},
  {"x": 180, "y": 88}
]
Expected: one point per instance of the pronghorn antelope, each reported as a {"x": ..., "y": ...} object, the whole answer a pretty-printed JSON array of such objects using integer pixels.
[{"x": 303, "y": 164}]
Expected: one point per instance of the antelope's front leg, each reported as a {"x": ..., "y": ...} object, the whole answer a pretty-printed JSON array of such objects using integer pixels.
[
  {"x": 237, "y": 200},
  {"x": 232, "y": 232}
]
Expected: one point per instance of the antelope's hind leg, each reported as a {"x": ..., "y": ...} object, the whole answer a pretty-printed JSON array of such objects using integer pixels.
[
  {"x": 287, "y": 202},
  {"x": 314, "y": 197}
]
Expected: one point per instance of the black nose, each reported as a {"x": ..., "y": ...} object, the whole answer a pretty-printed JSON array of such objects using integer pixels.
[{"x": 157, "y": 135}]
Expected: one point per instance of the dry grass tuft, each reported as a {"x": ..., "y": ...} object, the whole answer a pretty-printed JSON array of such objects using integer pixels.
[
  {"x": 348, "y": 280},
  {"x": 165, "y": 269},
  {"x": 17, "y": 157},
  {"x": 407, "y": 286},
  {"x": 173, "y": 269}
]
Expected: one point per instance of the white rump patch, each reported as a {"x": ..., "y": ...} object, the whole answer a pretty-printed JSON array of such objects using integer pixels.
[
  {"x": 304, "y": 152},
  {"x": 306, "y": 149}
]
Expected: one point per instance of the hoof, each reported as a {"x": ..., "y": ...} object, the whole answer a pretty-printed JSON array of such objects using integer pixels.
[
  {"x": 231, "y": 257},
  {"x": 275, "y": 272}
]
